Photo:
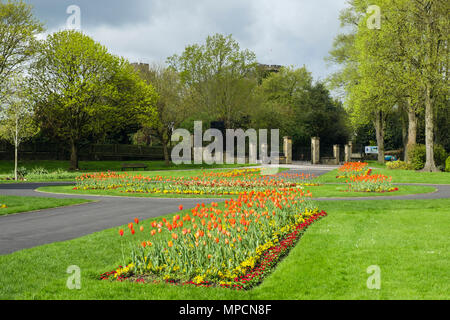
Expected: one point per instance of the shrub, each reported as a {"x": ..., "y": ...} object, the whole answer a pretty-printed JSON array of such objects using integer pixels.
[
  {"x": 22, "y": 172},
  {"x": 399, "y": 165},
  {"x": 418, "y": 156},
  {"x": 440, "y": 155},
  {"x": 447, "y": 165},
  {"x": 39, "y": 171}
]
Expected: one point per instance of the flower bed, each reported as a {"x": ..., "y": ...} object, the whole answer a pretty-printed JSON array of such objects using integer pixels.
[
  {"x": 373, "y": 183},
  {"x": 353, "y": 169},
  {"x": 211, "y": 183},
  {"x": 233, "y": 245},
  {"x": 360, "y": 179},
  {"x": 3, "y": 206}
]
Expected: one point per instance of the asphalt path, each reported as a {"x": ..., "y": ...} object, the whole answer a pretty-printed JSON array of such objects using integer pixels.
[{"x": 31, "y": 229}]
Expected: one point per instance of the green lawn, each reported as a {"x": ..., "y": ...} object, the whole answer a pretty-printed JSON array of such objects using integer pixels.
[
  {"x": 398, "y": 176},
  {"x": 324, "y": 191},
  {"x": 6, "y": 167},
  {"x": 330, "y": 262},
  {"x": 23, "y": 204}
]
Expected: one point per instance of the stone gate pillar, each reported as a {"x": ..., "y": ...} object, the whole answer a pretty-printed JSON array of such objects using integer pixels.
[
  {"x": 336, "y": 153},
  {"x": 348, "y": 153},
  {"x": 287, "y": 149},
  {"x": 315, "y": 150}
]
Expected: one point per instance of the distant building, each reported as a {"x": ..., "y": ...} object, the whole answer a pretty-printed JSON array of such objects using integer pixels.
[
  {"x": 269, "y": 67},
  {"x": 138, "y": 66}
]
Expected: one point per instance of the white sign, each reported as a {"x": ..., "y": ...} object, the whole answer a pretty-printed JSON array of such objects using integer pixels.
[{"x": 371, "y": 150}]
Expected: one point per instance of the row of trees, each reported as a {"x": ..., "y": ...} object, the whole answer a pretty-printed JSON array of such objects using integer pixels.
[
  {"x": 400, "y": 68},
  {"x": 70, "y": 88}
]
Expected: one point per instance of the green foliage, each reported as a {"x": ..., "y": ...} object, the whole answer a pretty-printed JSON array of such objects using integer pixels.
[
  {"x": 39, "y": 171},
  {"x": 82, "y": 91},
  {"x": 22, "y": 172},
  {"x": 18, "y": 30},
  {"x": 440, "y": 156},
  {"x": 399, "y": 165},
  {"x": 303, "y": 109},
  {"x": 447, "y": 165},
  {"x": 220, "y": 78},
  {"x": 417, "y": 156},
  {"x": 16, "y": 117}
]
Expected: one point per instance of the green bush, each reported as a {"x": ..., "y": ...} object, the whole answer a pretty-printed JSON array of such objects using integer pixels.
[
  {"x": 39, "y": 171},
  {"x": 447, "y": 165},
  {"x": 399, "y": 165},
  {"x": 440, "y": 155},
  {"x": 418, "y": 155}
]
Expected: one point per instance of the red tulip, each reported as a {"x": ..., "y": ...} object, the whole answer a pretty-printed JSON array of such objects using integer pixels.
[
  {"x": 180, "y": 207},
  {"x": 121, "y": 232}
]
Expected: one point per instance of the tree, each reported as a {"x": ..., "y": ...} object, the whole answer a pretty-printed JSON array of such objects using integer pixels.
[
  {"x": 403, "y": 63},
  {"x": 16, "y": 118},
  {"x": 220, "y": 75},
  {"x": 18, "y": 29},
  {"x": 430, "y": 41},
  {"x": 81, "y": 90},
  {"x": 170, "y": 109},
  {"x": 289, "y": 101}
]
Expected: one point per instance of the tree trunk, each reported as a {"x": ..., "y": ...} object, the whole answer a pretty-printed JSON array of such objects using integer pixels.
[
  {"x": 379, "y": 128},
  {"x": 430, "y": 165},
  {"x": 15, "y": 161},
  {"x": 412, "y": 133},
  {"x": 74, "y": 157},
  {"x": 16, "y": 147},
  {"x": 166, "y": 154}
]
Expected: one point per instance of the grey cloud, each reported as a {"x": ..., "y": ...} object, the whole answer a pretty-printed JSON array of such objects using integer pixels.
[
  {"x": 93, "y": 12},
  {"x": 286, "y": 32}
]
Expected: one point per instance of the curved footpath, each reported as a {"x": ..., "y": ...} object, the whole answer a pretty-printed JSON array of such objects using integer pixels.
[{"x": 31, "y": 229}]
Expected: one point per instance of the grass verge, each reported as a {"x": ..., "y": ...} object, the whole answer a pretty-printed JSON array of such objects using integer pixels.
[
  {"x": 16, "y": 204},
  {"x": 398, "y": 176}
]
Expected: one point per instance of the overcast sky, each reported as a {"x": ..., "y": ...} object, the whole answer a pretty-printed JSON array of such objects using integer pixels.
[{"x": 285, "y": 32}]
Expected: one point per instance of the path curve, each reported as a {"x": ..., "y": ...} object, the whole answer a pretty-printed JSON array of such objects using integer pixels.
[{"x": 31, "y": 229}]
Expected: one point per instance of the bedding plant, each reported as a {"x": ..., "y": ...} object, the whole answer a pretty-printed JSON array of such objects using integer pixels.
[
  {"x": 234, "y": 244},
  {"x": 360, "y": 178},
  {"x": 209, "y": 183}
]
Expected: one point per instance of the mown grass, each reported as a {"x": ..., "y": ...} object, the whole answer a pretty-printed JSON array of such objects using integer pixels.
[
  {"x": 6, "y": 167},
  {"x": 330, "y": 261},
  {"x": 398, "y": 176},
  {"x": 16, "y": 204},
  {"x": 323, "y": 191}
]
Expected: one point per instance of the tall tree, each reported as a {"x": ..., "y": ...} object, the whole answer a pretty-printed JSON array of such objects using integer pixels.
[
  {"x": 170, "y": 109},
  {"x": 400, "y": 64},
  {"x": 17, "y": 117},
  {"x": 221, "y": 76},
  {"x": 18, "y": 30},
  {"x": 81, "y": 90}
]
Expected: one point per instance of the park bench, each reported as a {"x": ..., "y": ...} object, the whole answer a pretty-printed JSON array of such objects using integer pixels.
[{"x": 133, "y": 166}]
